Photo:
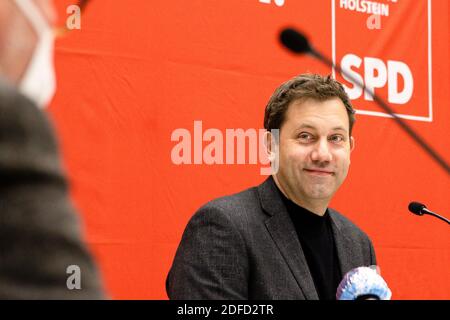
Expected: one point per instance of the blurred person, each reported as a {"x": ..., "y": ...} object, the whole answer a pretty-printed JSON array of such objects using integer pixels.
[{"x": 40, "y": 234}]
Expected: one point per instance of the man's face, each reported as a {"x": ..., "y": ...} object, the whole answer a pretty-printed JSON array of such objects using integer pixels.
[{"x": 314, "y": 150}]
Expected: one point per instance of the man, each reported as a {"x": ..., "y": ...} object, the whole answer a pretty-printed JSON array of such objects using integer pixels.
[
  {"x": 280, "y": 240},
  {"x": 41, "y": 251}
]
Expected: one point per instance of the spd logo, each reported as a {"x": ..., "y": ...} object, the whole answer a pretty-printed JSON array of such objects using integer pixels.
[{"x": 392, "y": 60}]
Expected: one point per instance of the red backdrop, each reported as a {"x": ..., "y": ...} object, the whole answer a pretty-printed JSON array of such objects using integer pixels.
[{"x": 138, "y": 70}]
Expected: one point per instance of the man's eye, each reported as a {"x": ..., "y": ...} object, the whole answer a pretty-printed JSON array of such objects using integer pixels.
[
  {"x": 337, "y": 138},
  {"x": 305, "y": 136}
]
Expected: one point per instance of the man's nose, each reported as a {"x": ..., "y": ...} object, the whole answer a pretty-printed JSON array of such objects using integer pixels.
[{"x": 321, "y": 151}]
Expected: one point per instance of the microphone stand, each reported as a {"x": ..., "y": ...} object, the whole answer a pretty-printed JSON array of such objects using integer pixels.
[{"x": 426, "y": 211}]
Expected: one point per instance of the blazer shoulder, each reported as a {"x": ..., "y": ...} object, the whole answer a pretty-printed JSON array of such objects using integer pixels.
[
  {"x": 12, "y": 101},
  {"x": 23, "y": 121},
  {"x": 234, "y": 205},
  {"x": 28, "y": 137}
]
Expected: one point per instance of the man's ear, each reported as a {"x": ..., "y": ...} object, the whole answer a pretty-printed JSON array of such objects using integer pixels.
[
  {"x": 268, "y": 141},
  {"x": 352, "y": 144}
]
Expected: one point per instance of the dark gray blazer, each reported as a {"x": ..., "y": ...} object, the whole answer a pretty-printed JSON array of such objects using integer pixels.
[
  {"x": 39, "y": 229},
  {"x": 245, "y": 246}
]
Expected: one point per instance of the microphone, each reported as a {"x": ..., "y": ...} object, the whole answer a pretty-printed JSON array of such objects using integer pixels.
[
  {"x": 294, "y": 41},
  {"x": 363, "y": 283},
  {"x": 420, "y": 209},
  {"x": 297, "y": 43}
]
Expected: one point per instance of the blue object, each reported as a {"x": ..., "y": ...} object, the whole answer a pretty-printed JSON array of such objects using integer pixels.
[{"x": 363, "y": 281}]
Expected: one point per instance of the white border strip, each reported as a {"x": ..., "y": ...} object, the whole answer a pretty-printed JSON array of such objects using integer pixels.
[
  {"x": 429, "y": 118},
  {"x": 430, "y": 69}
]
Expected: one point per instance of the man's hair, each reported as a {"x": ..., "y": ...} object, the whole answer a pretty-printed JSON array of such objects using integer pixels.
[{"x": 303, "y": 87}]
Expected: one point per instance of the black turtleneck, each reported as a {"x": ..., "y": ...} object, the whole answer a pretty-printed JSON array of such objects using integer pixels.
[{"x": 317, "y": 241}]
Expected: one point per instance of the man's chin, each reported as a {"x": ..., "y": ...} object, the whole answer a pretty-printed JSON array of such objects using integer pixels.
[{"x": 320, "y": 194}]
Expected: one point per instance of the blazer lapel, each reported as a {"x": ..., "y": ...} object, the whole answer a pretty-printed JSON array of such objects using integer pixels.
[
  {"x": 285, "y": 237},
  {"x": 344, "y": 246}
]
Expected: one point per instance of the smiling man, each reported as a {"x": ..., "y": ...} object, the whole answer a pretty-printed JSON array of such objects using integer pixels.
[{"x": 280, "y": 240}]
